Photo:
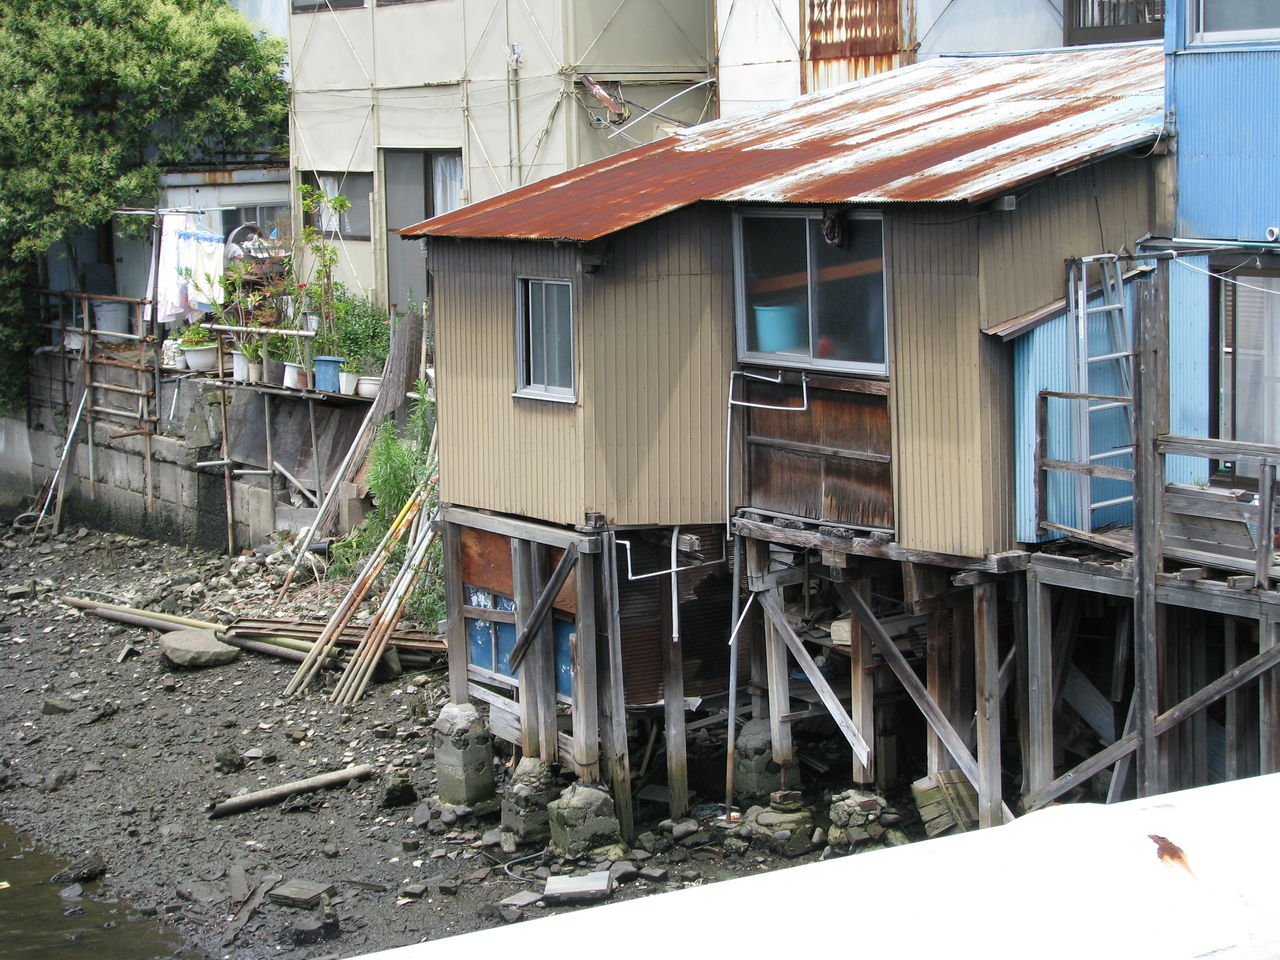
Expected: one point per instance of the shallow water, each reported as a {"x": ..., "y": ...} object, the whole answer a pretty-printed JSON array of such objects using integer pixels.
[{"x": 34, "y": 920}]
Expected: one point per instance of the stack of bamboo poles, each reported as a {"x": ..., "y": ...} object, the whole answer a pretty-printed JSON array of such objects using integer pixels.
[
  {"x": 404, "y": 523},
  {"x": 359, "y": 670}
]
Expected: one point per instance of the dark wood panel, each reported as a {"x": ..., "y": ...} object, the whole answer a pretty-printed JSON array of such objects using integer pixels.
[
  {"x": 830, "y": 462},
  {"x": 486, "y": 563}
]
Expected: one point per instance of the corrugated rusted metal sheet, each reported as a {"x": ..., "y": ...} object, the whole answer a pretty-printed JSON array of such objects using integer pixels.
[
  {"x": 515, "y": 456},
  {"x": 850, "y": 40},
  {"x": 954, "y": 128},
  {"x": 1227, "y": 184}
]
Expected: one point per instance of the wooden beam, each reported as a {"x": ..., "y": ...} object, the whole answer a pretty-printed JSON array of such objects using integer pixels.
[
  {"x": 1269, "y": 700},
  {"x": 586, "y": 704},
  {"x": 937, "y": 680},
  {"x": 454, "y": 603},
  {"x": 986, "y": 647},
  {"x": 1229, "y": 681},
  {"x": 915, "y": 689},
  {"x": 775, "y": 658},
  {"x": 1150, "y": 414},
  {"x": 1231, "y": 736},
  {"x": 1266, "y": 523},
  {"x": 522, "y": 576},
  {"x": 829, "y": 699},
  {"x": 1039, "y": 683},
  {"x": 673, "y": 705},
  {"x": 613, "y": 707},
  {"x": 538, "y": 616},
  {"x": 862, "y": 691},
  {"x": 516, "y": 529}
]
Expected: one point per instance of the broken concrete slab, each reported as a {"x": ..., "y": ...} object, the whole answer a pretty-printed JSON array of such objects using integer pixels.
[
  {"x": 522, "y": 899},
  {"x": 300, "y": 893},
  {"x": 196, "y": 648},
  {"x": 590, "y": 888}
]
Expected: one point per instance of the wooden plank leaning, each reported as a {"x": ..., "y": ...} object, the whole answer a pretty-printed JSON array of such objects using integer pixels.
[{"x": 543, "y": 607}]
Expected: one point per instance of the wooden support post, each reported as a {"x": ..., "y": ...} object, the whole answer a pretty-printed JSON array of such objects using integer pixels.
[
  {"x": 1039, "y": 683},
  {"x": 1231, "y": 724},
  {"x": 1022, "y": 689},
  {"x": 522, "y": 578},
  {"x": 757, "y": 561},
  {"x": 937, "y": 677},
  {"x": 1266, "y": 523},
  {"x": 673, "y": 706},
  {"x": 963, "y": 701},
  {"x": 586, "y": 705},
  {"x": 775, "y": 654},
  {"x": 454, "y": 602},
  {"x": 613, "y": 707},
  {"x": 547, "y": 593},
  {"x": 1197, "y": 676},
  {"x": 862, "y": 687},
  {"x": 1150, "y": 417},
  {"x": 986, "y": 646},
  {"x": 1269, "y": 702},
  {"x": 542, "y": 664}
]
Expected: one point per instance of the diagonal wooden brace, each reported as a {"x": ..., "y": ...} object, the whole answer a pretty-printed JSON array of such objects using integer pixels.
[
  {"x": 543, "y": 607},
  {"x": 907, "y": 677},
  {"x": 828, "y": 696}
]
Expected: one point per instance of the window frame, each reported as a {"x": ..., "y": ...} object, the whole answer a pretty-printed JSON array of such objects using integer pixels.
[
  {"x": 324, "y": 6},
  {"x": 312, "y": 178},
  {"x": 1199, "y": 36},
  {"x": 790, "y": 361},
  {"x": 525, "y": 387}
]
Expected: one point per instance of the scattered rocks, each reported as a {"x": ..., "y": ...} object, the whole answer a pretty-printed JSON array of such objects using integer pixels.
[
  {"x": 88, "y": 866},
  {"x": 194, "y": 649},
  {"x": 398, "y": 791}
]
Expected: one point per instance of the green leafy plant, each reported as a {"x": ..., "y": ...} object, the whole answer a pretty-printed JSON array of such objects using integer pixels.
[
  {"x": 363, "y": 330},
  {"x": 194, "y": 335}
]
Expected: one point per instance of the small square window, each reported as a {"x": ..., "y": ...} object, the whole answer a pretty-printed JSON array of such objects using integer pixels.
[
  {"x": 544, "y": 339},
  {"x": 354, "y": 223},
  {"x": 811, "y": 291}
]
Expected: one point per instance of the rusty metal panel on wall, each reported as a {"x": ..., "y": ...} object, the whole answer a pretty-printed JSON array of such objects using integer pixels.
[{"x": 850, "y": 39}]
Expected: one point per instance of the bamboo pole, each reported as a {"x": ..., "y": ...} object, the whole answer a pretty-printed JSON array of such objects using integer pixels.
[
  {"x": 357, "y": 591},
  {"x": 262, "y": 798}
]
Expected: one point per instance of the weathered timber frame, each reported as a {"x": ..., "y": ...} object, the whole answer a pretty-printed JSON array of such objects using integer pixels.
[{"x": 525, "y": 710}]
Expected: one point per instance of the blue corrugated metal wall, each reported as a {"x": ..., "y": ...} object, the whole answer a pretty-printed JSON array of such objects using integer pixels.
[
  {"x": 1189, "y": 357},
  {"x": 1043, "y": 360},
  {"x": 1227, "y": 117}
]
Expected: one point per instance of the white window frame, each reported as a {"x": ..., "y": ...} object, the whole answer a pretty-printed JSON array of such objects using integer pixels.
[
  {"x": 525, "y": 388},
  {"x": 740, "y": 299},
  {"x": 1195, "y": 19}
]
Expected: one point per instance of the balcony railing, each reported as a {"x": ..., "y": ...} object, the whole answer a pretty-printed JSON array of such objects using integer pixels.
[{"x": 1112, "y": 21}]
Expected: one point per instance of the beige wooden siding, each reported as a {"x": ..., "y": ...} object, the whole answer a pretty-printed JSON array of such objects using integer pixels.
[
  {"x": 935, "y": 375},
  {"x": 497, "y": 452},
  {"x": 1100, "y": 208},
  {"x": 657, "y": 348}
]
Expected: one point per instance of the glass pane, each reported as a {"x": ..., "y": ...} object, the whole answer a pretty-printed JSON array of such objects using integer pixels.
[
  {"x": 848, "y": 293},
  {"x": 446, "y": 183},
  {"x": 776, "y": 285},
  {"x": 356, "y": 187},
  {"x": 1223, "y": 15},
  {"x": 1257, "y": 365},
  {"x": 537, "y": 334},
  {"x": 559, "y": 336}
]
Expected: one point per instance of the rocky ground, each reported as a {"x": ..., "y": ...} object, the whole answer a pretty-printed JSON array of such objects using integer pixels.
[{"x": 107, "y": 748}]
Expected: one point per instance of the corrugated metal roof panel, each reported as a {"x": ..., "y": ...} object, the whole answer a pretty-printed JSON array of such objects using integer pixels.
[{"x": 950, "y": 129}]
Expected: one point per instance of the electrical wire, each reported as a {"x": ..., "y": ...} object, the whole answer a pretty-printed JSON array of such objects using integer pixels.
[{"x": 1225, "y": 279}]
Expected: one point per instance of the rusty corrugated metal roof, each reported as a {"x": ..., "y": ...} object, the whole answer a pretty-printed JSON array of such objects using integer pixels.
[{"x": 950, "y": 129}]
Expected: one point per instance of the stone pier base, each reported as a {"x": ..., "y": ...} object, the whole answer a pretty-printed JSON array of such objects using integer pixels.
[{"x": 464, "y": 755}]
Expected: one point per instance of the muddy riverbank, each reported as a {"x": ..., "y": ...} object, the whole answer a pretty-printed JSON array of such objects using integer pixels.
[{"x": 106, "y": 747}]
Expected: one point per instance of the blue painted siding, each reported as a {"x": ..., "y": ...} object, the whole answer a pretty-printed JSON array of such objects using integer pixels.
[
  {"x": 1190, "y": 354},
  {"x": 489, "y": 643},
  {"x": 1227, "y": 116}
]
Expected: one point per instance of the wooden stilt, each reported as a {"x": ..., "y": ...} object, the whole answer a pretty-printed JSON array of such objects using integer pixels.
[
  {"x": 986, "y": 648},
  {"x": 1198, "y": 676},
  {"x": 757, "y": 562},
  {"x": 613, "y": 709},
  {"x": 937, "y": 678},
  {"x": 775, "y": 653},
  {"x": 1269, "y": 702},
  {"x": 542, "y": 655},
  {"x": 862, "y": 686},
  {"x": 1022, "y": 692},
  {"x": 673, "y": 707},
  {"x": 963, "y": 702},
  {"x": 522, "y": 586},
  {"x": 454, "y": 602},
  {"x": 1231, "y": 719},
  {"x": 586, "y": 704},
  {"x": 1039, "y": 683}
]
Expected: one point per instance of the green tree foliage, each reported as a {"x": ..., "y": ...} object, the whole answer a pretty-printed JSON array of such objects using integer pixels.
[{"x": 100, "y": 96}]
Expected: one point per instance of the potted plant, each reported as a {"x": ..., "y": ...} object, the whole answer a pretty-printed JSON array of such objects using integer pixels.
[
  {"x": 348, "y": 374},
  {"x": 251, "y": 350},
  {"x": 364, "y": 332},
  {"x": 325, "y": 361},
  {"x": 198, "y": 346}
]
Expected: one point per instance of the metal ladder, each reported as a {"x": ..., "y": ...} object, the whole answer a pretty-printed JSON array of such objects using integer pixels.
[{"x": 1108, "y": 371}]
